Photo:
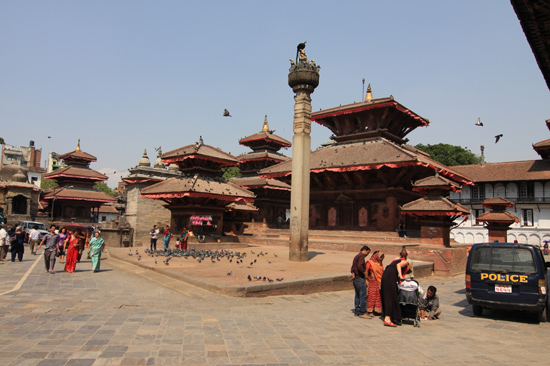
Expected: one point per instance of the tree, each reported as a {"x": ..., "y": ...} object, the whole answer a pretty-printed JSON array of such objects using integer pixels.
[
  {"x": 231, "y": 172},
  {"x": 47, "y": 183},
  {"x": 102, "y": 186},
  {"x": 450, "y": 154}
]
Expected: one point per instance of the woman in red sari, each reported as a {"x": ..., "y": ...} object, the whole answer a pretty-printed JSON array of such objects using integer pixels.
[
  {"x": 72, "y": 246},
  {"x": 375, "y": 269}
]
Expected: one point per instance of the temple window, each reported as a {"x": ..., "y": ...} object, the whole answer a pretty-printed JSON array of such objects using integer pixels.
[
  {"x": 526, "y": 190},
  {"x": 478, "y": 192},
  {"x": 19, "y": 205},
  {"x": 527, "y": 215}
]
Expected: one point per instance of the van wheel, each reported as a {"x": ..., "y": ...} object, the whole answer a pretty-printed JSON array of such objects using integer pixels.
[
  {"x": 478, "y": 310},
  {"x": 542, "y": 315}
]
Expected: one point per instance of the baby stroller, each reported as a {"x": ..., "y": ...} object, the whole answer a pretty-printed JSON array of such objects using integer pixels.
[{"x": 409, "y": 296}]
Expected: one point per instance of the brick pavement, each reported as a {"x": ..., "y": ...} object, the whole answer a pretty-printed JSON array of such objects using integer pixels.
[{"x": 126, "y": 315}]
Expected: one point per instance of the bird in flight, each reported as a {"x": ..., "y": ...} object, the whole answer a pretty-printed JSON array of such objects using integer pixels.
[
  {"x": 479, "y": 123},
  {"x": 497, "y": 138},
  {"x": 226, "y": 113}
]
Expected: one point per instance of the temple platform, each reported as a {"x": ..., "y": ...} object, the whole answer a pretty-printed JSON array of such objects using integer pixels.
[
  {"x": 446, "y": 261},
  {"x": 325, "y": 271}
]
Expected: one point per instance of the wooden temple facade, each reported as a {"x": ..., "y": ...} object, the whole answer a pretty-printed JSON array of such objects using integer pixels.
[
  {"x": 199, "y": 197},
  {"x": 272, "y": 196},
  {"x": 75, "y": 199},
  {"x": 360, "y": 181}
]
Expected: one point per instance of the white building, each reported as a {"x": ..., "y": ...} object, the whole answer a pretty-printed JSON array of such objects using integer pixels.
[{"x": 526, "y": 183}]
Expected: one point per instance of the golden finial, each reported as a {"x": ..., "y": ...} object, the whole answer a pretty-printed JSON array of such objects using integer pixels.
[
  {"x": 265, "y": 128},
  {"x": 368, "y": 97},
  {"x": 78, "y": 146}
]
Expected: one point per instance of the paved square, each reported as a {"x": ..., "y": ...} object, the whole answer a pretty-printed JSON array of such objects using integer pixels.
[{"x": 127, "y": 315}]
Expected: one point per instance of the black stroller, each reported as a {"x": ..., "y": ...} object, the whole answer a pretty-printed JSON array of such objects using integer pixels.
[{"x": 409, "y": 298}]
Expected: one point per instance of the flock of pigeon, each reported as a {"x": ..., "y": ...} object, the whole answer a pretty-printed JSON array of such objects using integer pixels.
[{"x": 202, "y": 255}]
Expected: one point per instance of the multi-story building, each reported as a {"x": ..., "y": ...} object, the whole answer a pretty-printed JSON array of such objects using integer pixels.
[{"x": 525, "y": 183}]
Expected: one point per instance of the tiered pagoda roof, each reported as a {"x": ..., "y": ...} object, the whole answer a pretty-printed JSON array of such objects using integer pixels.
[
  {"x": 199, "y": 157},
  {"x": 198, "y": 186},
  {"x": 434, "y": 204},
  {"x": 367, "y": 154},
  {"x": 361, "y": 120},
  {"x": 76, "y": 180},
  {"x": 200, "y": 181}
]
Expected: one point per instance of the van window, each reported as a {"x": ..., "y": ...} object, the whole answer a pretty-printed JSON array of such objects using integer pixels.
[{"x": 510, "y": 259}]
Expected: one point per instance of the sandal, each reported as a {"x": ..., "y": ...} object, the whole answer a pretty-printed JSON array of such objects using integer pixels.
[{"x": 390, "y": 324}]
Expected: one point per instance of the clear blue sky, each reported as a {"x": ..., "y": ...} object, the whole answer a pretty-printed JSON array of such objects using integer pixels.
[{"x": 124, "y": 76}]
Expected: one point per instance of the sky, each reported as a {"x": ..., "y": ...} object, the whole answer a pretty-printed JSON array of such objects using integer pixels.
[{"x": 124, "y": 76}]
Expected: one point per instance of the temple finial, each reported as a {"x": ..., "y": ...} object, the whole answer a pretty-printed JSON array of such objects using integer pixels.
[
  {"x": 78, "y": 146},
  {"x": 265, "y": 128},
  {"x": 368, "y": 97}
]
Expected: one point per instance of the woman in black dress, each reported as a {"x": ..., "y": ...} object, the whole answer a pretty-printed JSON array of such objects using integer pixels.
[
  {"x": 17, "y": 244},
  {"x": 394, "y": 273}
]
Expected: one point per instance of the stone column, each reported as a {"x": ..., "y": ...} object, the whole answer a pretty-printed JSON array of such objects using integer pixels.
[{"x": 303, "y": 78}]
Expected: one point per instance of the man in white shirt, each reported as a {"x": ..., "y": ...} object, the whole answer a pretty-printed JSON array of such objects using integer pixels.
[
  {"x": 34, "y": 238},
  {"x": 4, "y": 242}
]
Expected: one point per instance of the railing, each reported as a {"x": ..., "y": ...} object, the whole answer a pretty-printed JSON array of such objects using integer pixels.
[{"x": 474, "y": 201}]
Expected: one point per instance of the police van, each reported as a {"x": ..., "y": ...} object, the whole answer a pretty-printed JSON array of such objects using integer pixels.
[{"x": 507, "y": 276}]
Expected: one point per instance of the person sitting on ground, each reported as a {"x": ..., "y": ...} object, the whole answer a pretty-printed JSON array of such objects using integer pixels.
[{"x": 430, "y": 305}]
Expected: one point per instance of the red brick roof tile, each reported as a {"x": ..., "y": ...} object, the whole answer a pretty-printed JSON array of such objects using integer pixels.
[
  {"x": 365, "y": 155},
  {"x": 508, "y": 171},
  {"x": 78, "y": 194},
  {"x": 76, "y": 172}
]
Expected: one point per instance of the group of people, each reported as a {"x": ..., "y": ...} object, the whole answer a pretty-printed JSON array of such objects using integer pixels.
[
  {"x": 376, "y": 288},
  {"x": 181, "y": 243},
  {"x": 61, "y": 244}
]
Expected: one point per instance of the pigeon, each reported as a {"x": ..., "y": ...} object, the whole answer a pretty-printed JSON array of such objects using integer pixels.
[
  {"x": 249, "y": 278},
  {"x": 269, "y": 279},
  {"x": 155, "y": 261},
  {"x": 229, "y": 273},
  {"x": 497, "y": 138},
  {"x": 479, "y": 123},
  {"x": 275, "y": 254},
  {"x": 251, "y": 263},
  {"x": 129, "y": 254},
  {"x": 268, "y": 261},
  {"x": 279, "y": 279},
  {"x": 254, "y": 261},
  {"x": 226, "y": 113}
]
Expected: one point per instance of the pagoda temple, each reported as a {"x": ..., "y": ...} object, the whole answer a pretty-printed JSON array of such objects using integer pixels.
[
  {"x": 142, "y": 213},
  {"x": 272, "y": 196},
  {"x": 199, "y": 196},
  {"x": 75, "y": 199},
  {"x": 436, "y": 213},
  {"x": 360, "y": 181}
]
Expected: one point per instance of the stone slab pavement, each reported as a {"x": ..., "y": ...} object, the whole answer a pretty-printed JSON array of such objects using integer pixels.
[{"x": 128, "y": 315}]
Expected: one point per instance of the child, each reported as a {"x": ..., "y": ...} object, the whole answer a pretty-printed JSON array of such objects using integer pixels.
[{"x": 430, "y": 304}]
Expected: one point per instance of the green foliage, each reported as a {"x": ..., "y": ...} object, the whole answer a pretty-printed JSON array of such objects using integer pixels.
[
  {"x": 450, "y": 154},
  {"x": 47, "y": 183},
  {"x": 231, "y": 172},
  {"x": 102, "y": 186}
]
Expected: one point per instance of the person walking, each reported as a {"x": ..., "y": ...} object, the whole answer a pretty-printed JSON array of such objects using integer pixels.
[
  {"x": 17, "y": 244},
  {"x": 166, "y": 237},
  {"x": 358, "y": 269},
  {"x": 97, "y": 245},
  {"x": 34, "y": 239},
  {"x": 183, "y": 238},
  {"x": 4, "y": 242},
  {"x": 154, "y": 237},
  {"x": 63, "y": 235},
  {"x": 73, "y": 246},
  {"x": 51, "y": 249}
]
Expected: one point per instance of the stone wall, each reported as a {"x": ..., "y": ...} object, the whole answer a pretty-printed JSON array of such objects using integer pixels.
[{"x": 143, "y": 213}]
